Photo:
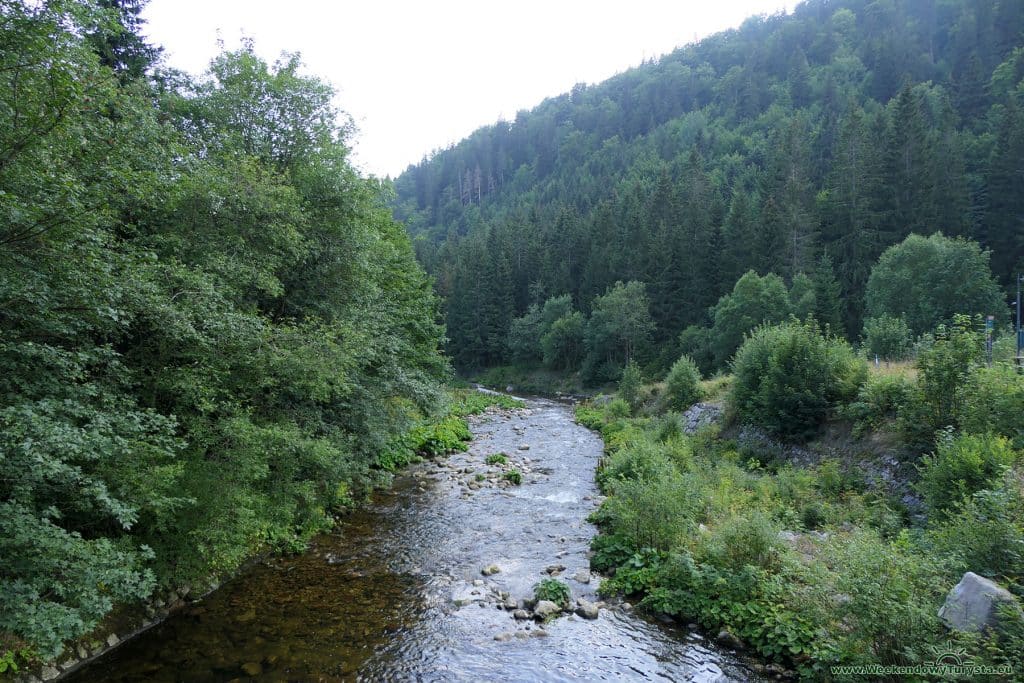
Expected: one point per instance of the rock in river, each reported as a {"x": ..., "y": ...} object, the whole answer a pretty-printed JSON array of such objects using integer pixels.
[
  {"x": 545, "y": 609},
  {"x": 490, "y": 570},
  {"x": 726, "y": 638},
  {"x": 586, "y": 609}
]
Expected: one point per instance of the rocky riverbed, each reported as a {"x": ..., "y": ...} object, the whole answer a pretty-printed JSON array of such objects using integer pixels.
[{"x": 434, "y": 581}]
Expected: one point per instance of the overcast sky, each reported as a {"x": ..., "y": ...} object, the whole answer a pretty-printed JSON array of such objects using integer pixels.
[{"x": 419, "y": 75}]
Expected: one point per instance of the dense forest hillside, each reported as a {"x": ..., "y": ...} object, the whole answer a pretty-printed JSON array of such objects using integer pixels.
[
  {"x": 801, "y": 145},
  {"x": 212, "y": 332}
]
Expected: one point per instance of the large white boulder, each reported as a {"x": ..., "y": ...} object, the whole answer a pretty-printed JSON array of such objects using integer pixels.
[{"x": 971, "y": 604}]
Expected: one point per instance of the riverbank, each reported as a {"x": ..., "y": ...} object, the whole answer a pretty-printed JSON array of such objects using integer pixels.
[
  {"x": 809, "y": 563},
  {"x": 448, "y": 433}
]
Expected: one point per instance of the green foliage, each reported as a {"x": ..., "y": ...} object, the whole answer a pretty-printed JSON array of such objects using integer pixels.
[
  {"x": 682, "y": 384},
  {"x": 442, "y": 435},
  {"x": 696, "y": 342},
  {"x": 879, "y": 401},
  {"x": 944, "y": 368},
  {"x": 58, "y": 585},
  {"x": 630, "y": 385},
  {"x": 886, "y": 337},
  {"x": 699, "y": 538},
  {"x": 554, "y": 591},
  {"x": 620, "y": 325},
  {"x": 449, "y": 434},
  {"x": 618, "y": 408},
  {"x": 469, "y": 402},
  {"x": 523, "y": 334},
  {"x": 803, "y": 145},
  {"x": 639, "y": 461},
  {"x": 754, "y": 301},
  {"x": 514, "y": 477},
  {"x": 926, "y": 281},
  {"x": 802, "y": 297},
  {"x": 552, "y": 332},
  {"x": 562, "y": 345},
  {"x": 590, "y": 416},
  {"x": 985, "y": 532},
  {"x": 789, "y": 377},
  {"x": 212, "y": 328},
  {"x": 889, "y": 597},
  {"x": 994, "y": 403},
  {"x": 653, "y": 512},
  {"x": 961, "y": 466},
  {"x": 497, "y": 459},
  {"x": 741, "y": 541}
]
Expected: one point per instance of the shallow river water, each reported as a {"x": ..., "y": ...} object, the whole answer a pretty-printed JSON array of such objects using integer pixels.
[{"x": 396, "y": 592}]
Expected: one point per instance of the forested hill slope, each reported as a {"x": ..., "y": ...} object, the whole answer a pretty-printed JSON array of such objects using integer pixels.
[{"x": 799, "y": 143}]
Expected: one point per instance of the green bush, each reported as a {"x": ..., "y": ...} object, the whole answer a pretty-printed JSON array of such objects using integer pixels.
[
  {"x": 57, "y": 585},
  {"x": 450, "y": 434},
  {"x": 630, "y": 385},
  {"x": 554, "y": 591},
  {"x": 985, "y": 533},
  {"x": 617, "y": 409},
  {"x": 657, "y": 513},
  {"x": 928, "y": 280},
  {"x": 789, "y": 377},
  {"x": 641, "y": 460},
  {"x": 497, "y": 459},
  {"x": 472, "y": 402},
  {"x": 995, "y": 403},
  {"x": 513, "y": 477},
  {"x": 961, "y": 466},
  {"x": 669, "y": 427},
  {"x": 590, "y": 416},
  {"x": 944, "y": 369},
  {"x": 887, "y": 337},
  {"x": 744, "y": 540},
  {"x": 682, "y": 384},
  {"x": 562, "y": 344},
  {"x": 879, "y": 402},
  {"x": 889, "y": 599}
]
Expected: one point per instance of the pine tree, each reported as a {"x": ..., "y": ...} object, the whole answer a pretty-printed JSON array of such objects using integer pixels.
[
  {"x": 1003, "y": 224},
  {"x": 739, "y": 235},
  {"x": 827, "y": 292},
  {"x": 121, "y": 47},
  {"x": 852, "y": 222},
  {"x": 909, "y": 162}
]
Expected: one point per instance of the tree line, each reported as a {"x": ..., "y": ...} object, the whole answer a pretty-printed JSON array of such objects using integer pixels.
[
  {"x": 801, "y": 145},
  {"x": 211, "y": 327}
]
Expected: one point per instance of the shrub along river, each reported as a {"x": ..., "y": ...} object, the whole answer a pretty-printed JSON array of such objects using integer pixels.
[{"x": 398, "y": 592}]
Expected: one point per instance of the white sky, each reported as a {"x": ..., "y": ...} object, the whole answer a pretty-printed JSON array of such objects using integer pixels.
[{"x": 419, "y": 75}]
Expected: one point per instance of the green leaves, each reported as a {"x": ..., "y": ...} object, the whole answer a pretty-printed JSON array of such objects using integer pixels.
[
  {"x": 789, "y": 376},
  {"x": 929, "y": 280},
  {"x": 211, "y": 328}
]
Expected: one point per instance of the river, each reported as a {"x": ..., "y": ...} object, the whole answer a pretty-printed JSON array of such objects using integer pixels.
[{"x": 396, "y": 591}]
